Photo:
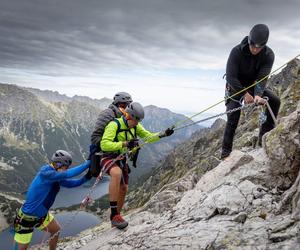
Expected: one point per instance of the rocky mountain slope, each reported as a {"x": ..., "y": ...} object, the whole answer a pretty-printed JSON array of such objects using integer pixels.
[
  {"x": 31, "y": 130},
  {"x": 194, "y": 201}
]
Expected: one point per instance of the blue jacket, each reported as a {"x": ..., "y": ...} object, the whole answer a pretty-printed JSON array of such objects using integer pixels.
[{"x": 45, "y": 186}]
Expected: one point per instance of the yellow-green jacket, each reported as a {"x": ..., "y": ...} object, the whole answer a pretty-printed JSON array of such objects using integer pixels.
[{"x": 108, "y": 142}]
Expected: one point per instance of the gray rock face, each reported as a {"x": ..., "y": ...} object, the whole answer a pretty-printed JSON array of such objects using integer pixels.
[
  {"x": 282, "y": 145},
  {"x": 232, "y": 206}
]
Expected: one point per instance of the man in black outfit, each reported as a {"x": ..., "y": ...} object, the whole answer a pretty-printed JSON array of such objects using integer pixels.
[{"x": 249, "y": 62}]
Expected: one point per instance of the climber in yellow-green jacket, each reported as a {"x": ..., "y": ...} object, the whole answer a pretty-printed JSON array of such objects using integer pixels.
[{"x": 120, "y": 135}]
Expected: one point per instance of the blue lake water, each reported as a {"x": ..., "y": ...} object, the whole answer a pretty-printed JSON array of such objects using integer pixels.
[
  {"x": 70, "y": 196},
  {"x": 66, "y": 197}
]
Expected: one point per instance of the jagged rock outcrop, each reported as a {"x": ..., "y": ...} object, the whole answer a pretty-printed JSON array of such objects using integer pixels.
[
  {"x": 250, "y": 201},
  {"x": 282, "y": 146}
]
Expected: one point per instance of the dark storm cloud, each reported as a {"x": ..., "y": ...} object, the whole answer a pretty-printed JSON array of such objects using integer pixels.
[{"x": 72, "y": 36}]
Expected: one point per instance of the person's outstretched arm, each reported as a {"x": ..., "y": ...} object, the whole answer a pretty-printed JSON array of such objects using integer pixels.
[
  {"x": 59, "y": 176},
  {"x": 70, "y": 183},
  {"x": 145, "y": 134}
]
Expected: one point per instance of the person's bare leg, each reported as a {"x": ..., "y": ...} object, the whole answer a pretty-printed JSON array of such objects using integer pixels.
[
  {"x": 53, "y": 228},
  {"x": 114, "y": 185},
  {"x": 122, "y": 195},
  {"x": 21, "y": 246}
]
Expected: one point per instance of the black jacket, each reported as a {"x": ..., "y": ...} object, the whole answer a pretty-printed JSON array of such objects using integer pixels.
[{"x": 243, "y": 68}]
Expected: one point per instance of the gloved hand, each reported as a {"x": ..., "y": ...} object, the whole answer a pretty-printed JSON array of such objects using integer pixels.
[
  {"x": 167, "y": 132},
  {"x": 132, "y": 144}
]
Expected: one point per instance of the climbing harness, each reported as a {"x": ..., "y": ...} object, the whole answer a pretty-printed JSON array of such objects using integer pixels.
[{"x": 24, "y": 223}]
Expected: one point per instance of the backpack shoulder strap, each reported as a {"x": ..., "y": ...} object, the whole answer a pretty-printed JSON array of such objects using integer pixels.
[
  {"x": 119, "y": 130},
  {"x": 115, "y": 112},
  {"x": 135, "y": 132}
]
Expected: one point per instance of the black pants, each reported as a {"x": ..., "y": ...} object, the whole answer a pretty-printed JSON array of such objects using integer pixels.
[{"x": 233, "y": 120}]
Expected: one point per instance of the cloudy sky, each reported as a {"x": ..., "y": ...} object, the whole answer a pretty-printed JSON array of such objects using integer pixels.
[{"x": 170, "y": 53}]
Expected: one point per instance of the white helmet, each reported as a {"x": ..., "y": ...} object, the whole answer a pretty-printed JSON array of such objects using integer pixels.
[{"x": 62, "y": 158}]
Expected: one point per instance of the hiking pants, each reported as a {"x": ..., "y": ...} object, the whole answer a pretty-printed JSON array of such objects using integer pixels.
[{"x": 233, "y": 120}]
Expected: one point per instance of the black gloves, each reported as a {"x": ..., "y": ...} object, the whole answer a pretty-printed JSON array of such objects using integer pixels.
[
  {"x": 134, "y": 156},
  {"x": 132, "y": 144},
  {"x": 167, "y": 132}
]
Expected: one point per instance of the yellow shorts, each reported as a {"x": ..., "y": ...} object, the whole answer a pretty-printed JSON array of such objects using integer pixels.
[{"x": 26, "y": 238}]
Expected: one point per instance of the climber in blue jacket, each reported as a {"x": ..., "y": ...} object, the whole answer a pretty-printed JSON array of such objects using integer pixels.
[{"x": 41, "y": 195}]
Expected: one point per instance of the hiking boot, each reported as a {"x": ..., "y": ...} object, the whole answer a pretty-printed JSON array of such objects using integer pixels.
[
  {"x": 118, "y": 222},
  {"x": 224, "y": 155}
]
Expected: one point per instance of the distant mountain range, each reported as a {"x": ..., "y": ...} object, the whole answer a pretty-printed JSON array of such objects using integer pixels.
[
  {"x": 34, "y": 123},
  {"x": 54, "y": 96}
]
